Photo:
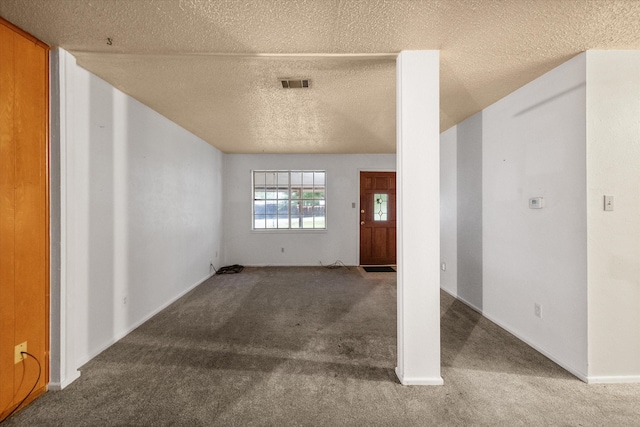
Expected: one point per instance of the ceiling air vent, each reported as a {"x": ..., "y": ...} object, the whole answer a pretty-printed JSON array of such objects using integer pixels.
[{"x": 288, "y": 83}]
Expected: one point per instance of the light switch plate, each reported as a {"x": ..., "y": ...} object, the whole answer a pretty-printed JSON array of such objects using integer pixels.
[{"x": 608, "y": 203}]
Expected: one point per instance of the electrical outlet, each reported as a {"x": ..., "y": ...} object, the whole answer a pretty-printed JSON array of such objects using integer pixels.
[
  {"x": 124, "y": 301},
  {"x": 537, "y": 310},
  {"x": 443, "y": 266},
  {"x": 18, "y": 356}
]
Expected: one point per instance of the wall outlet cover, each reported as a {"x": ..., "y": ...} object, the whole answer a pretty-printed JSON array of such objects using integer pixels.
[
  {"x": 537, "y": 310},
  {"x": 18, "y": 356}
]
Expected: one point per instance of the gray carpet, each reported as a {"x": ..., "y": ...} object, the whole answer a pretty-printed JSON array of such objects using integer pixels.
[{"x": 317, "y": 347}]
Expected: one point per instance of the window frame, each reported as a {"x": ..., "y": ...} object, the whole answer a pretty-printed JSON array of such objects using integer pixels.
[{"x": 290, "y": 188}]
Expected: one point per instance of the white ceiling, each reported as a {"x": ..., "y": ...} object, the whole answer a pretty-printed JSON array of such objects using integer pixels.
[{"x": 213, "y": 66}]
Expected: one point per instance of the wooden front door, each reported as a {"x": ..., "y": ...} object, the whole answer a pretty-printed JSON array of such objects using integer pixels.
[{"x": 377, "y": 218}]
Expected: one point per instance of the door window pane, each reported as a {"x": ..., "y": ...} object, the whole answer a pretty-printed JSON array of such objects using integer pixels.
[{"x": 380, "y": 206}]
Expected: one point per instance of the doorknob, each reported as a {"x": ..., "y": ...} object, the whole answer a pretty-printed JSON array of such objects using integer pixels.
[
  {"x": 361, "y": 222},
  {"x": 362, "y": 211}
]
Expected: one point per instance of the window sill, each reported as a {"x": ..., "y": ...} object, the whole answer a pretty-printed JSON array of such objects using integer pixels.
[{"x": 289, "y": 231}]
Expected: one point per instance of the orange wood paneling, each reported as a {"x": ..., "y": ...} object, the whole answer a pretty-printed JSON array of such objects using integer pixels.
[
  {"x": 24, "y": 213},
  {"x": 7, "y": 216}
]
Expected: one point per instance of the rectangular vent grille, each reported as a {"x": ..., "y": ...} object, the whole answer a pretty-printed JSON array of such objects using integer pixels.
[{"x": 295, "y": 83}]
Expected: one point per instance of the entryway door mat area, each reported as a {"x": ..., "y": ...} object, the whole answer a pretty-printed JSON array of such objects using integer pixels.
[{"x": 379, "y": 269}]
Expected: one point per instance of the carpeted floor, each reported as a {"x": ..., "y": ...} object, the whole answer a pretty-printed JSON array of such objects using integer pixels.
[{"x": 317, "y": 347}]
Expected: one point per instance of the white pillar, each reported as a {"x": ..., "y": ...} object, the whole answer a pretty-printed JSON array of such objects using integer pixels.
[
  {"x": 63, "y": 364},
  {"x": 418, "y": 217}
]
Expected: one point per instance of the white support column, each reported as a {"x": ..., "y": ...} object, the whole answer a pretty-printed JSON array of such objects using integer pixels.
[
  {"x": 418, "y": 217},
  {"x": 63, "y": 357}
]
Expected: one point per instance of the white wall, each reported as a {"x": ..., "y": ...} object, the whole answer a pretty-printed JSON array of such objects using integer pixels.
[
  {"x": 448, "y": 210},
  {"x": 532, "y": 145},
  {"x": 341, "y": 239},
  {"x": 141, "y": 211},
  {"x": 613, "y": 159},
  {"x": 571, "y": 137},
  {"x": 469, "y": 203}
]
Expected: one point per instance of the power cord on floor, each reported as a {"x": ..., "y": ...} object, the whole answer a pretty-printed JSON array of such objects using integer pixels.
[
  {"x": 230, "y": 269},
  {"x": 32, "y": 388},
  {"x": 336, "y": 264}
]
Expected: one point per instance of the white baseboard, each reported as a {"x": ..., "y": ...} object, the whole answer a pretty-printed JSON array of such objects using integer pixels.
[
  {"x": 61, "y": 385},
  {"x": 404, "y": 380},
  {"x": 470, "y": 305},
  {"x": 449, "y": 292},
  {"x": 576, "y": 372},
  {"x": 462, "y": 300},
  {"x": 295, "y": 265},
  {"x": 123, "y": 334},
  {"x": 619, "y": 379}
]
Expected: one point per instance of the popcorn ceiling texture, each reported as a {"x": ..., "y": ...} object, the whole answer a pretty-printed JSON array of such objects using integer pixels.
[
  {"x": 161, "y": 55},
  {"x": 239, "y": 106}
]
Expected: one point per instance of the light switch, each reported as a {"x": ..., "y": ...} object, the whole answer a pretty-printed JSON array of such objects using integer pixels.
[{"x": 608, "y": 203}]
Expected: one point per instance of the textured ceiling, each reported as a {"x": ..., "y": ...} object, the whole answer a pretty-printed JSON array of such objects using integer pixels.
[{"x": 213, "y": 66}]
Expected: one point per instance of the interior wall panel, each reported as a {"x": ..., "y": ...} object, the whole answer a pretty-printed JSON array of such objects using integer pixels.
[{"x": 24, "y": 278}]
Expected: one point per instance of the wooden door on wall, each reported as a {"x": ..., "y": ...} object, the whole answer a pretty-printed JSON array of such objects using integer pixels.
[
  {"x": 24, "y": 216},
  {"x": 377, "y": 218}
]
